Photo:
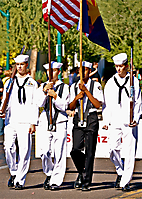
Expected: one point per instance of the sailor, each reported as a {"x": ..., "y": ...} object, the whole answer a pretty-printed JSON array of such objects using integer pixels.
[
  {"x": 53, "y": 135},
  {"x": 20, "y": 120},
  {"x": 116, "y": 116},
  {"x": 94, "y": 75},
  {"x": 85, "y": 135}
]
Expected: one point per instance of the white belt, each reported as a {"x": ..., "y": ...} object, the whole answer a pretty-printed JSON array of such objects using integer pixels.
[{"x": 90, "y": 110}]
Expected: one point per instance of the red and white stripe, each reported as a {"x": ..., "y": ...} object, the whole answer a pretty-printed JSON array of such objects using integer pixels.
[{"x": 64, "y": 13}]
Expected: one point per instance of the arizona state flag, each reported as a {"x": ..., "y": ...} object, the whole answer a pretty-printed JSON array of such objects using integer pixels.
[{"x": 97, "y": 31}]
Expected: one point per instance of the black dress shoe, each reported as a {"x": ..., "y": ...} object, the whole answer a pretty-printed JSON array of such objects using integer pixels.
[
  {"x": 126, "y": 188},
  {"x": 54, "y": 187},
  {"x": 117, "y": 183},
  {"x": 18, "y": 186},
  {"x": 78, "y": 182},
  {"x": 85, "y": 188},
  {"x": 46, "y": 184},
  {"x": 11, "y": 181}
]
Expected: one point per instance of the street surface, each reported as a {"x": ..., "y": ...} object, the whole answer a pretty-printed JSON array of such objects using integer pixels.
[{"x": 102, "y": 186}]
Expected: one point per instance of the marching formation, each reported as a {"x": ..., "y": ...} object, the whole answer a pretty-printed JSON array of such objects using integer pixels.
[{"x": 29, "y": 109}]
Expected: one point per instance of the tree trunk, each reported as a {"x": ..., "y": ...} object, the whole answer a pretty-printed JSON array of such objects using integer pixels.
[{"x": 33, "y": 61}]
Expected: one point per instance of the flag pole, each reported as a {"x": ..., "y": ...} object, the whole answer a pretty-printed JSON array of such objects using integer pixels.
[
  {"x": 131, "y": 86},
  {"x": 81, "y": 74},
  {"x": 49, "y": 59}
]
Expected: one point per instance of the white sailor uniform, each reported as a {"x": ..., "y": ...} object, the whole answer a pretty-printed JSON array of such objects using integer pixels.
[
  {"x": 20, "y": 114},
  {"x": 116, "y": 114},
  {"x": 58, "y": 138}
]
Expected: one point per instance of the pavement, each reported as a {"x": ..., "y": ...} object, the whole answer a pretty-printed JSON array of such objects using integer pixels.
[{"x": 102, "y": 186}]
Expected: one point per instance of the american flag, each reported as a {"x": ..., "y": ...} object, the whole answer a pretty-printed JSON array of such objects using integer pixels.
[{"x": 64, "y": 13}]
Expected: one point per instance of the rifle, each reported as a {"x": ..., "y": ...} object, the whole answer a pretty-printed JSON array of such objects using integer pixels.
[
  {"x": 9, "y": 87},
  {"x": 131, "y": 87},
  {"x": 8, "y": 90}
]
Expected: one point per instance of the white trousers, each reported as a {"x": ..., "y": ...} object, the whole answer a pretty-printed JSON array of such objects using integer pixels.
[
  {"x": 55, "y": 143},
  {"x": 123, "y": 139},
  {"x": 21, "y": 131}
]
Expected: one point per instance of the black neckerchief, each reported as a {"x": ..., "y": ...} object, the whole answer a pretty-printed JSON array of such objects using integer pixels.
[
  {"x": 19, "y": 90},
  {"x": 121, "y": 87}
]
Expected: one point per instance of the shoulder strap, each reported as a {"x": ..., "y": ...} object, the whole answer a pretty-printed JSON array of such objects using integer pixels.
[
  {"x": 44, "y": 85},
  {"x": 46, "y": 108},
  {"x": 56, "y": 110},
  {"x": 75, "y": 90},
  {"x": 88, "y": 106}
]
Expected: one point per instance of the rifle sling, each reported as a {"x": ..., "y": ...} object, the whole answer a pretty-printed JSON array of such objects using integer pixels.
[{"x": 46, "y": 108}]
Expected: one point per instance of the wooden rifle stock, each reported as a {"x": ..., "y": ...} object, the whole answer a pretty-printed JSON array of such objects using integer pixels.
[
  {"x": 8, "y": 90},
  {"x": 131, "y": 87}
]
